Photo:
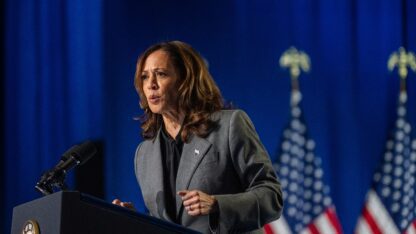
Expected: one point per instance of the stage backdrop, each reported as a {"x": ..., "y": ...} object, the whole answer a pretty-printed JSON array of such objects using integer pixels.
[{"x": 70, "y": 66}]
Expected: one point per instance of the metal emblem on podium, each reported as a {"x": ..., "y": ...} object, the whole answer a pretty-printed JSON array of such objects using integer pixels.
[{"x": 30, "y": 227}]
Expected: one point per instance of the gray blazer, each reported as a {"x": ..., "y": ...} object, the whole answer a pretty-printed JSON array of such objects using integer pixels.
[{"x": 230, "y": 163}]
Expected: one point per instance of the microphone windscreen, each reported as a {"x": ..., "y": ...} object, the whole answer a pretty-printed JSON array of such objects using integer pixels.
[
  {"x": 84, "y": 151},
  {"x": 68, "y": 153}
]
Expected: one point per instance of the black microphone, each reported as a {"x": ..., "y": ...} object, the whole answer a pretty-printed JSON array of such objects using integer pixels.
[
  {"x": 76, "y": 155},
  {"x": 55, "y": 178}
]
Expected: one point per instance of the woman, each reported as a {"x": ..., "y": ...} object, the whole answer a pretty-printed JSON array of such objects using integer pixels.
[{"x": 199, "y": 166}]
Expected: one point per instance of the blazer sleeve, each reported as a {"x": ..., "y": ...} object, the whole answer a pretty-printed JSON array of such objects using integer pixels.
[{"x": 262, "y": 201}]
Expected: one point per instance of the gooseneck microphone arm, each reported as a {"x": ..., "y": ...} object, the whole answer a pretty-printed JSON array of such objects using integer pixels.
[{"x": 54, "y": 179}]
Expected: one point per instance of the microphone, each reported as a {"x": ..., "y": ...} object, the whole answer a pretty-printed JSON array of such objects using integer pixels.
[{"x": 74, "y": 156}]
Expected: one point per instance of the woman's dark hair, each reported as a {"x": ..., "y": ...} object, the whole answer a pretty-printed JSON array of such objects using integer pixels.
[{"x": 198, "y": 95}]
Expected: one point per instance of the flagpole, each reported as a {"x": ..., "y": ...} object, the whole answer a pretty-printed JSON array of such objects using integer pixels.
[
  {"x": 402, "y": 60},
  {"x": 296, "y": 61},
  {"x": 388, "y": 207},
  {"x": 308, "y": 204}
]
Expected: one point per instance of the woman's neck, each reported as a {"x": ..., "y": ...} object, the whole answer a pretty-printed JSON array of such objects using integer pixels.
[{"x": 173, "y": 122}]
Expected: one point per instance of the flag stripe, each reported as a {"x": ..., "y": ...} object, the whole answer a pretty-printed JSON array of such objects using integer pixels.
[
  {"x": 371, "y": 222},
  {"x": 362, "y": 227},
  {"x": 412, "y": 228},
  {"x": 312, "y": 228},
  {"x": 380, "y": 214},
  {"x": 334, "y": 220},
  {"x": 268, "y": 229},
  {"x": 306, "y": 231},
  {"x": 280, "y": 226},
  {"x": 323, "y": 223}
]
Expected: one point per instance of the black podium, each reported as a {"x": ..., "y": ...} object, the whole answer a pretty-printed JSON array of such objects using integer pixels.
[{"x": 74, "y": 212}]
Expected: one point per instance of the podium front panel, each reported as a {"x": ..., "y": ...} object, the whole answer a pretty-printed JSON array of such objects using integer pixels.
[{"x": 72, "y": 212}]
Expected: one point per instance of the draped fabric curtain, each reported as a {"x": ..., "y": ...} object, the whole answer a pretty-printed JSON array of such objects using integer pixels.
[
  {"x": 70, "y": 65},
  {"x": 53, "y": 89}
]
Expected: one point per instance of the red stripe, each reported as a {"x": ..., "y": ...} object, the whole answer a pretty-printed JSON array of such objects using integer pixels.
[
  {"x": 410, "y": 227},
  {"x": 313, "y": 228},
  {"x": 333, "y": 219},
  {"x": 370, "y": 221},
  {"x": 267, "y": 229}
]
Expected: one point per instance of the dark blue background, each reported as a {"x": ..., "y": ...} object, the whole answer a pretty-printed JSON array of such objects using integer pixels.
[{"x": 69, "y": 68}]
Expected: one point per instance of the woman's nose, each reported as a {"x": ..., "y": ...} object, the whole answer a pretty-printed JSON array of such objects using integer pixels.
[{"x": 152, "y": 83}]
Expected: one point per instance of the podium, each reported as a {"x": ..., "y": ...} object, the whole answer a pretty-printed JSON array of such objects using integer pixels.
[{"x": 69, "y": 212}]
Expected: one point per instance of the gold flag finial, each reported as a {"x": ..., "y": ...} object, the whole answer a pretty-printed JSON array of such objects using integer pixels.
[
  {"x": 296, "y": 61},
  {"x": 402, "y": 60}
]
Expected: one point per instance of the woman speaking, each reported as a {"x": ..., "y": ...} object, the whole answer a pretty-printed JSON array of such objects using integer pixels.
[{"x": 199, "y": 165}]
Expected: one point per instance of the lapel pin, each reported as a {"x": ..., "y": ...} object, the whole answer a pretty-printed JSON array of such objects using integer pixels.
[{"x": 196, "y": 152}]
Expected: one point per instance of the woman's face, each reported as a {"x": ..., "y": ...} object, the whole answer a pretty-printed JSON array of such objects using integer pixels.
[{"x": 160, "y": 83}]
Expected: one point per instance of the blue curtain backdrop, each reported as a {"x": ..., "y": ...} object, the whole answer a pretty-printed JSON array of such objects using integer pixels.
[
  {"x": 53, "y": 89},
  {"x": 70, "y": 66}
]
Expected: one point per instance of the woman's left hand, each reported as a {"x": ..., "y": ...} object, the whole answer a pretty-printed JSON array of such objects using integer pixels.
[
  {"x": 198, "y": 203},
  {"x": 127, "y": 205}
]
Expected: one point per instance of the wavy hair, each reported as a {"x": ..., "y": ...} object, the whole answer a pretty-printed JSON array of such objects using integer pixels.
[{"x": 198, "y": 95}]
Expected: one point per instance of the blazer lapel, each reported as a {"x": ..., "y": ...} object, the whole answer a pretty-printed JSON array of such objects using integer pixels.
[
  {"x": 156, "y": 185},
  {"x": 192, "y": 154}
]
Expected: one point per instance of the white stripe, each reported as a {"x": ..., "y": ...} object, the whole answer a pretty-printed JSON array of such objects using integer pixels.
[
  {"x": 305, "y": 231},
  {"x": 380, "y": 214},
  {"x": 323, "y": 224},
  {"x": 411, "y": 229},
  {"x": 362, "y": 227},
  {"x": 280, "y": 226}
]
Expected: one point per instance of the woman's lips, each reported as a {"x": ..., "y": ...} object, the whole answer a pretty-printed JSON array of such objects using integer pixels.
[{"x": 154, "y": 99}]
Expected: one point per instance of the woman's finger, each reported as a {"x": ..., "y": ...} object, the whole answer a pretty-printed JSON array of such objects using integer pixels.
[
  {"x": 128, "y": 205},
  {"x": 196, "y": 206},
  {"x": 192, "y": 200},
  {"x": 116, "y": 202},
  {"x": 185, "y": 194}
]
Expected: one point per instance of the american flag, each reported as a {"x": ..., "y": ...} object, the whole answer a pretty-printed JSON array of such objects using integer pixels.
[
  {"x": 390, "y": 203},
  {"x": 308, "y": 207}
]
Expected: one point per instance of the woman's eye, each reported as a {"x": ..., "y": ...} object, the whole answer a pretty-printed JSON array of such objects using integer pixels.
[
  {"x": 161, "y": 74},
  {"x": 143, "y": 77}
]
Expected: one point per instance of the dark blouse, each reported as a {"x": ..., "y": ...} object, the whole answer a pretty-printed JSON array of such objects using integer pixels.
[{"x": 171, "y": 150}]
